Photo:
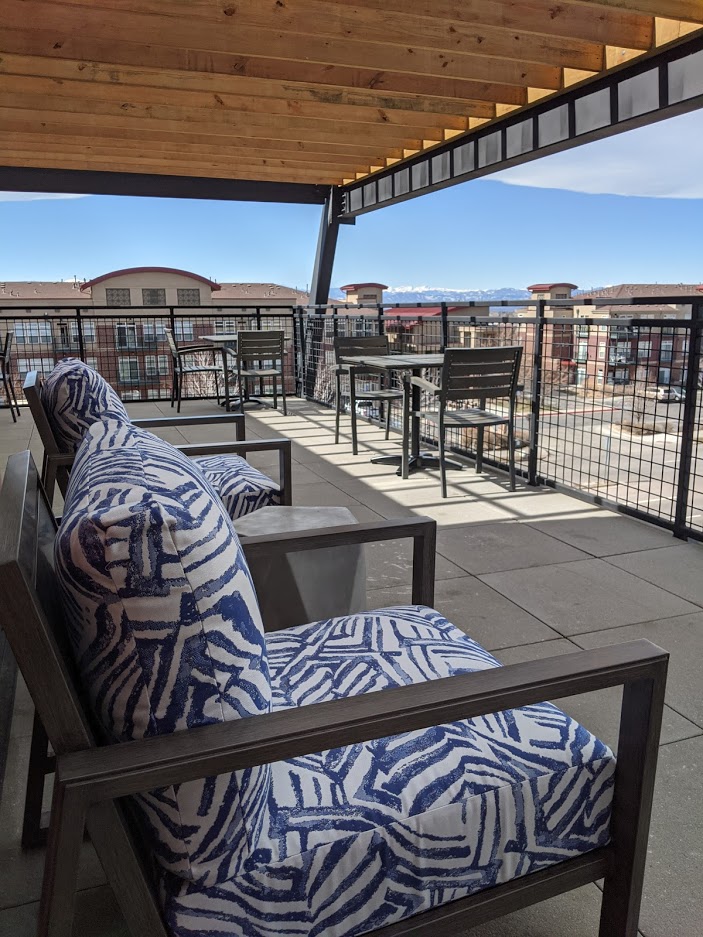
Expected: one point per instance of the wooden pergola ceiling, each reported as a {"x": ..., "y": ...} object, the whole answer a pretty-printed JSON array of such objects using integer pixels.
[{"x": 292, "y": 90}]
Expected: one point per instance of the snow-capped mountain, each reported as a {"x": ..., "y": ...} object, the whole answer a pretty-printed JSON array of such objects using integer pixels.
[{"x": 438, "y": 294}]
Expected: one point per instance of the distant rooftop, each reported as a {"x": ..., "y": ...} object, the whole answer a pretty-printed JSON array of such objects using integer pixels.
[
  {"x": 628, "y": 290},
  {"x": 545, "y": 287}
]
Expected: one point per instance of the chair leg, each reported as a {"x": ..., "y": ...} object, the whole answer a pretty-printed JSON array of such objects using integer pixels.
[
  {"x": 338, "y": 407},
  {"x": 352, "y": 405},
  {"x": 40, "y": 764},
  {"x": 275, "y": 392},
  {"x": 283, "y": 394},
  {"x": 217, "y": 387},
  {"x": 173, "y": 387},
  {"x": 180, "y": 392},
  {"x": 442, "y": 463},
  {"x": 405, "y": 456},
  {"x": 14, "y": 397},
  {"x": 479, "y": 450},
  {"x": 511, "y": 454},
  {"x": 388, "y": 418},
  {"x": 9, "y": 397}
]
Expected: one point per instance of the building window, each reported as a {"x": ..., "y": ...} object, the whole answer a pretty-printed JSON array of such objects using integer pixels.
[
  {"x": 600, "y": 376},
  {"x": 153, "y": 297},
  {"x": 561, "y": 296},
  {"x": 128, "y": 370},
  {"x": 156, "y": 365},
  {"x": 92, "y": 363},
  {"x": 43, "y": 365},
  {"x": 153, "y": 332},
  {"x": 601, "y": 349},
  {"x": 188, "y": 297},
  {"x": 644, "y": 350},
  {"x": 118, "y": 296},
  {"x": 667, "y": 348},
  {"x": 126, "y": 335},
  {"x": 225, "y": 326},
  {"x": 183, "y": 330},
  {"x": 582, "y": 353},
  {"x": 33, "y": 333}
]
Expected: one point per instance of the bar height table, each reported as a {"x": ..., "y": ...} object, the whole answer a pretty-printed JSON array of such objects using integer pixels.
[{"x": 407, "y": 365}]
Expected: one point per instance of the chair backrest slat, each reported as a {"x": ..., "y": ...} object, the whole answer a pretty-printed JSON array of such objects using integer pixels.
[
  {"x": 172, "y": 344},
  {"x": 7, "y": 350},
  {"x": 30, "y": 613},
  {"x": 355, "y": 347},
  {"x": 32, "y": 393},
  {"x": 481, "y": 372},
  {"x": 263, "y": 345}
]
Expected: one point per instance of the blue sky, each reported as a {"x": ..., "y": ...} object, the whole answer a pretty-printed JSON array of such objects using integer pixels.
[{"x": 626, "y": 209}]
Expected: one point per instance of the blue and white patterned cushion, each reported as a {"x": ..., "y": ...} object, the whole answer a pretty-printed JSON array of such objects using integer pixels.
[
  {"x": 74, "y": 397},
  {"x": 363, "y": 836},
  {"x": 241, "y": 487},
  {"x": 166, "y": 630}
]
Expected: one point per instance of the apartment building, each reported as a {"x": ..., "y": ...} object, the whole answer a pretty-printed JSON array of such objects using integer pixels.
[{"x": 116, "y": 321}]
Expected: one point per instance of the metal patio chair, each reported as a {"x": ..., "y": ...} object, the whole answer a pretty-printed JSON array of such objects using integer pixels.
[
  {"x": 96, "y": 775},
  {"x": 383, "y": 394},
  {"x": 180, "y": 356},
  {"x": 472, "y": 374},
  {"x": 257, "y": 358},
  {"x": 5, "y": 369}
]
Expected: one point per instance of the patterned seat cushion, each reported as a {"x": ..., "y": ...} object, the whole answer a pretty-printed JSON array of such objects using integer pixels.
[
  {"x": 74, "y": 397},
  {"x": 166, "y": 630},
  {"x": 241, "y": 487},
  {"x": 366, "y": 835}
]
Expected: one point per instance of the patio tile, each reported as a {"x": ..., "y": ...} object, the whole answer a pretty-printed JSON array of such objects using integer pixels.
[
  {"x": 488, "y": 548},
  {"x": 322, "y": 495},
  {"x": 574, "y": 914},
  {"x": 676, "y": 568},
  {"x": 599, "y": 712},
  {"x": 389, "y": 563},
  {"x": 482, "y": 613},
  {"x": 672, "y": 904},
  {"x": 605, "y": 533},
  {"x": 588, "y": 595},
  {"x": 96, "y": 915},
  {"x": 683, "y": 638}
]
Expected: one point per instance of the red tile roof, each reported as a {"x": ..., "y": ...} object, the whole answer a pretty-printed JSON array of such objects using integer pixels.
[
  {"x": 545, "y": 287},
  {"x": 353, "y": 287}
]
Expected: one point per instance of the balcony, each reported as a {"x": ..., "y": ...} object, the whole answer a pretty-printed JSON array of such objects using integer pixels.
[{"x": 529, "y": 574}]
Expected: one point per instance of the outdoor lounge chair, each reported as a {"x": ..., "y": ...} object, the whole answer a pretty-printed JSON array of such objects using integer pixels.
[{"x": 449, "y": 818}]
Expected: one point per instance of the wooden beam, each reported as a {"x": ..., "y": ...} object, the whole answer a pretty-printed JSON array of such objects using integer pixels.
[
  {"x": 47, "y": 130},
  {"x": 61, "y": 70},
  {"x": 112, "y": 114},
  {"x": 239, "y": 106},
  {"x": 15, "y": 153},
  {"x": 304, "y": 22},
  {"x": 543, "y": 17},
  {"x": 691, "y": 10},
  {"x": 176, "y": 170},
  {"x": 184, "y": 33},
  {"x": 99, "y": 146},
  {"x": 42, "y": 42}
]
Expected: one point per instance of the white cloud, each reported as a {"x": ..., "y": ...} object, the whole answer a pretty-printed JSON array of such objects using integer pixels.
[
  {"x": 662, "y": 160},
  {"x": 34, "y": 196}
]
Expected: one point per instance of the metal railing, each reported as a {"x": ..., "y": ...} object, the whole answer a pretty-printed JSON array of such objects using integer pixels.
[{"x": 610, "y": 407}]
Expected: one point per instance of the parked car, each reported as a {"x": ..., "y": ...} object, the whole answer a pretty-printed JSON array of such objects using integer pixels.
[{"x": 669, "y": 395}]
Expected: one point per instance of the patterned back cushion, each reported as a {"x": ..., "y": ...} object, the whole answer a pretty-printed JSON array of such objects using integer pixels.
[
  {"x": 166, "y": 630},
  {"x": 74, "y": 397}
]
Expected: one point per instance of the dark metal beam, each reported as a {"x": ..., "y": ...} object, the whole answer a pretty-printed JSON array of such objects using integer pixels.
[
  {"x": 151, "y": 185},
  {"x": 326, "y": 248},
  {"x": 662, "y": 84}
]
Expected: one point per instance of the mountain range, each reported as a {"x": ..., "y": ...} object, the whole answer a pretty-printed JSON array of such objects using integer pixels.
[{"x": 438, "y": 294}]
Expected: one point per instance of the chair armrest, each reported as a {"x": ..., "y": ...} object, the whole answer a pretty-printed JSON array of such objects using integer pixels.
[
  {"x": 281, "y": 445},
  {"x": 423, "y": 531},
  {"x": 120, "y": 770},
  {"x": 425, "y": 385},
  {"x": 215, "y": 419}
]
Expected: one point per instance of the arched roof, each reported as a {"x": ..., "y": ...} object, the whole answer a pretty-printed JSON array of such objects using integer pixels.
[{"x": 127, "y": 270}]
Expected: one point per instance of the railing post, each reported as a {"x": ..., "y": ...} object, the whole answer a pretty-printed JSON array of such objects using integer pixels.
[
  {"x": 79, "y": 333},
  {"x": 445, "y": 328},
  {"x": 379, "y": 314},
  {"x": 536, "y": 397},
  {"x": 690, "y": 409}
]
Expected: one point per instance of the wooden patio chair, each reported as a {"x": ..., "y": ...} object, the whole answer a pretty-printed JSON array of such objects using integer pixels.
[
  {"x": 6, "y": 375},
  {"x": 383, "y": 394},
  {"x": 257, "y": 358},
  {"x": 95, "y": 777},
  {"x": 472, "y": 374}
]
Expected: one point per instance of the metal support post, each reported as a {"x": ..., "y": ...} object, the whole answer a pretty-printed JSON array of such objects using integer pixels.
[
  {"x": 445, "y": 328},
  {"x": 690, "y": 411},
  {"x": 536, "y": 398}
]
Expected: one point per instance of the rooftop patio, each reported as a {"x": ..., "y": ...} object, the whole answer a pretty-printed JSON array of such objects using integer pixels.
[{"x": 528, "y": 574}]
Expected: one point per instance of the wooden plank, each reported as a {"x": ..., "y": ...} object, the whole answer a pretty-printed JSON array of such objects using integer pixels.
[
  {"x": 43, "y": 42},
  {"x": 691, "y": 10},
  {"x": 27, "y": 125},
  {"x": 206, "y": 102},
  {"x": 226, "y": 155},
  {"x": 106, "y": 114},
  {"x": 315, "y": 19},
  {"x": 187, "y": 169},
  {"x": 182, "y": 33},
  {"x": 126, "y": 75},
  {"x": 12, "y": 155},
  {"x": 544, "y": 17}
]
